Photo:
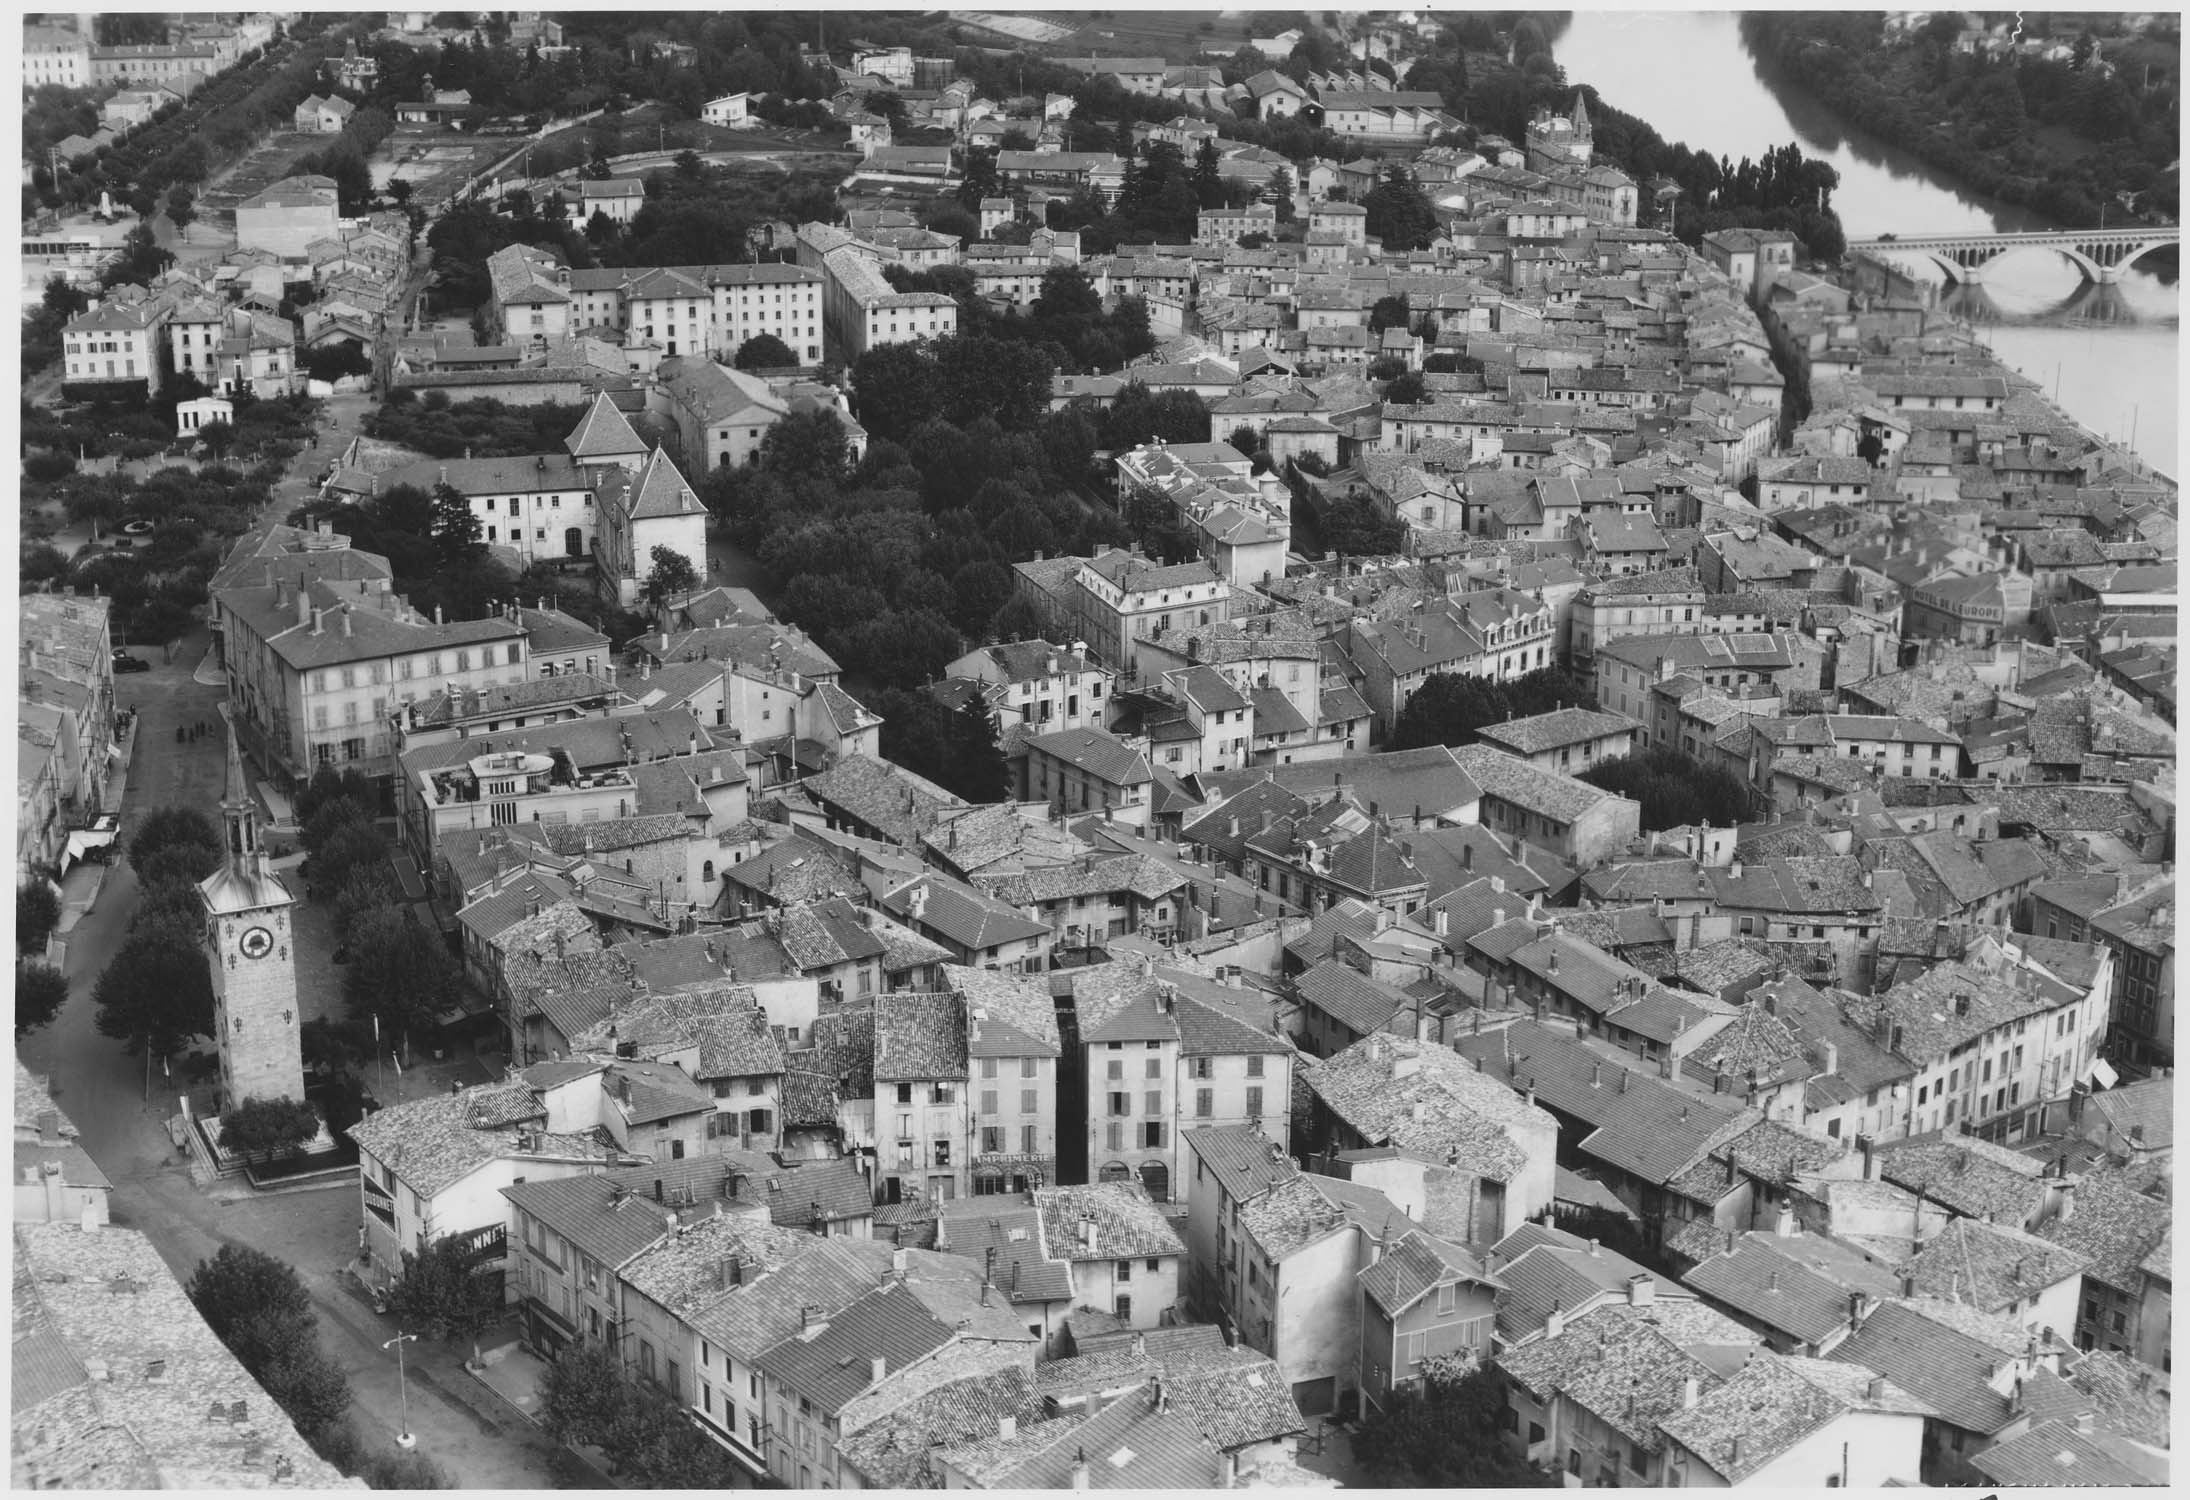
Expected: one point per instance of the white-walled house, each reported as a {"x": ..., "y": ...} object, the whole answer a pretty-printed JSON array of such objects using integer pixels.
[{"x": 436, "y": 1167}]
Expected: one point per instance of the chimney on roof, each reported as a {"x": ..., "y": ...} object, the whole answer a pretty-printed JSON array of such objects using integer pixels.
[
  {"x": 880, "y": 1369},
  {"x": 1079, "y": 1468},
  {"x": 1691, "y": 1392}
]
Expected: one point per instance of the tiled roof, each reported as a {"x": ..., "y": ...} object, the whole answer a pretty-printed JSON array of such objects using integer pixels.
[
  {"x": 1419, "y": 1097},
  {"x": 1619, "y": 1364},
  {"x": 1128, "y": 1445},
  {"x": 433, "y": 1142},
  {"x": 2059, "y": 1454},
  {"x": 1100, "y": 754},
  {"x": 1022, "y": 1269},
  {"x": 835, "y": 1364},
  {"x": 1243, "y": 1160},
  {"x": 2129, "y": 1395},
  {"x": 2148, "y": 1106},
  {"x": 1640, "y": 1124},
  {"x": 1356, "y": 1001},
  {"x": 919, "y": 1037},
  {"x": 103, "y": 1298},
  {"x": 963, "y": 915},
  {"x": 1127, "y": 1222},
  {"x": 1991, "y": 1267},
  {"x": 2114, "y": 1227},
  {"x": 764, "y": 1310},
  {"x": 1418, "y": 1265},
  {"x": 897, "y": 804},
  {"x": 1771, "y": 1404},
  {"x": 1565, "y": 726},
  {"x": 1970, "y": 1176},
  {"x": 892, "y": 1451},
  {"x": 1954, "y": 1374},
  {"x": 1546, "y": 793},
  {"x": 1008, "y": 1015}
]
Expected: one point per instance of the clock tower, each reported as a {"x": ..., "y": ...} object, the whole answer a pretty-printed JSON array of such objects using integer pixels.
[{"x": 250, "y": 942}]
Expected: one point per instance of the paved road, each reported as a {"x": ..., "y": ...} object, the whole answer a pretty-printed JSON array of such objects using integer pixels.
[{"x": 102, "y": 1089}]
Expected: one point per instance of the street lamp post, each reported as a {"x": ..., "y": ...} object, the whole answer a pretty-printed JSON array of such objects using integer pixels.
[{"x": 406, "y": 1438}]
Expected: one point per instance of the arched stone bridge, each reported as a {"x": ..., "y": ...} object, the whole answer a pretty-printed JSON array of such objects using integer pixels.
[{"x": 2101, "y": 254}]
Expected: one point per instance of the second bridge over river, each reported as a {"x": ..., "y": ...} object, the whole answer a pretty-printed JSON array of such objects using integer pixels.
[{"x": 2102, "y": 255}]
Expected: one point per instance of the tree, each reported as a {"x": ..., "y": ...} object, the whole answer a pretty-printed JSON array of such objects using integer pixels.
[
  {"x": 254, "y": 1303},
  {"x": 1278, "y": 193},
  {"x": 168, "y": 826},
  {"x": 1399, "y": 212},
  {"x": 587, "y": 1397},
  {"x": 1405, "y": 389},
  {"x": 458, "y": 534},
  {"x": 275, "y": 1127},
  {"x": 982, "y": 774},
  {"x": 764, "y": 351},
  {"x": 1674, "y": 791},
  {"x": 584, "y": 1394},
  {"x": 1208, "y": 179},
  {"x": 258, "y": 1307},
  {"x": 1449, "y": 708},
  {"x": 399, "y": 970},
  {"x": 37, "y": 913},
  {"x": 329, "y": 785},
  {"x": 980, "y": 180},
  {"x": 809, "y": 445},
  {"x": 1390, "y": 312},
  {"x": 1444, "y": 1433},
  {"x": 446, "y": 1291},
  {"x": 671, "y": 576},
  {"x": 156, "y": 992},
  {"x": 40, "y": 991}
]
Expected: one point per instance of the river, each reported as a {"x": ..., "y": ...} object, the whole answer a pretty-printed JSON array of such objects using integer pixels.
[{"x": 2112, "y": 359}]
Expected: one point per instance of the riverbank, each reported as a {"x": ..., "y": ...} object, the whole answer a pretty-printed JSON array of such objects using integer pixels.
[{"x": 2074, "y": 145}]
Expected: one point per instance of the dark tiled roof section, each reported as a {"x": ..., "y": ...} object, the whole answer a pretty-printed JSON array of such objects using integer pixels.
[
  {"x": 1361, "y": 1004},
  {"x": 1022, "y": 1270},
  {"x": 835, "y": 1365},
  {"x": 1940, "y": 1366}
]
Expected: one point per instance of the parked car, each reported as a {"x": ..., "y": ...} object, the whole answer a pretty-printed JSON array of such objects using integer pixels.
[{"x": 124, "y": 662}]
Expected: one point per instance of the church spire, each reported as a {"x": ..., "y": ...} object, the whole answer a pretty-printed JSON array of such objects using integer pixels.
[
  {"x": 1581, "y": 114},
  {"x": 240, "y": 816}
]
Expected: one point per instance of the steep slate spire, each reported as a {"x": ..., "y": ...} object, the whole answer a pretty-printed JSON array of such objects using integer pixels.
[
  {"x": 240, "y": 816},
  {"x": 1581, "y": 115}
]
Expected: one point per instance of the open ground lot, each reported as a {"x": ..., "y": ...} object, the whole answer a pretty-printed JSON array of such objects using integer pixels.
[
  {"x": 261, "y": 167},
  {"x": 1174, "y": 35},
  {"x": 436, "y": 162}
]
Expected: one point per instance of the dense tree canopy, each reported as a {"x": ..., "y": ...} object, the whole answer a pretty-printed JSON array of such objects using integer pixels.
[
  {"x": 1449, "y": 708},
  {"x": 1675, "y": 791}
]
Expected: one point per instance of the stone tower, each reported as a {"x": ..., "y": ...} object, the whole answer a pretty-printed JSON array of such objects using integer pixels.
[{"x": 250, "y": 941}]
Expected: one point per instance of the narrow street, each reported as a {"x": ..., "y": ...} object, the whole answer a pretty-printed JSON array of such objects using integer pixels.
[{"x": 460, "y": 1424}]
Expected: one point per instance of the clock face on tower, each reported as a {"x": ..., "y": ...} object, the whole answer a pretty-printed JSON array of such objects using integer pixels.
[{"x": 257, "y": 942}]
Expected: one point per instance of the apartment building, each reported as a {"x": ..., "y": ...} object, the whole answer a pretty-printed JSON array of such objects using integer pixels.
[
  {"x": 1994, "y": 1035},
  {"x": 1013, "y": 1054},
  {"x": 690, "y": 311},
  {"x": 1165, "y": 1051},
  {"x": 117, "y": 340},
  {"x": 322, "y": 656}
]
